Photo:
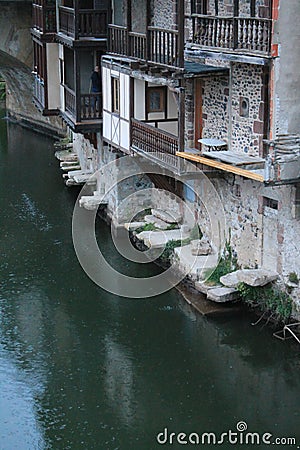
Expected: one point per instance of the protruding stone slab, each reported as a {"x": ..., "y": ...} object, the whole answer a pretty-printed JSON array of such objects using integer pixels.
[
  {"x": 200, "y": 247},
  {"x": 91, "y": 202},
  {"x": 204, "y": 288},
  {"x": 158, "y": 239},
  {"x": 66, "y": 155},
  {"x": 231, "y": 279},
  {"x": 222, "y": 295},
  {"x": 158, "y": 223},
  {"x": 169, "y": 217},
  {"x": 257, "y": 277},
  {"x": 132, "y": 226}
]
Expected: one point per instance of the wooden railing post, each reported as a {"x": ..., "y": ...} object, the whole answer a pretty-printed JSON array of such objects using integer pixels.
[{"x": 180, "y": 28}]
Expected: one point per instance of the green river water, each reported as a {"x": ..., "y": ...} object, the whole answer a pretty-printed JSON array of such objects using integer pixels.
[{"x": 83, "y": 369}]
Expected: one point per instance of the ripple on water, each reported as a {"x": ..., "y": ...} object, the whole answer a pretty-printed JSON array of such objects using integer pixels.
[{"x": 29, "y": 212}]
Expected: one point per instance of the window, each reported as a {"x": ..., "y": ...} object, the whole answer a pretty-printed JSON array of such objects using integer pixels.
[
  {"x": 199, "y": 7},
  {"x": 115, "y": 83},
  {"x": 297, "y": 202},
  {"x": 270, "y": 203},
  {"x": 156, "y": 99},
  {"x": 244, "y": 107}
]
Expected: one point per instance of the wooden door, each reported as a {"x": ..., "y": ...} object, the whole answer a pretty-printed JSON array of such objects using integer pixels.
[{"x": 198, "y": 112}]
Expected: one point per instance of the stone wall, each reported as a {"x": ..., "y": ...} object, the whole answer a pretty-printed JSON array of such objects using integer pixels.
[
  {"x": 223, "y": 112},
  {"x": 261, "y": 223},
  {"x": 215, "y": 111},
  {"x": 247, "y": 131},
  {"x": 163, "y": 13},
  {"x": 123, "y": 197},
  {"x": 15, "y": 23},
  {"x": 226, "y": 8}
]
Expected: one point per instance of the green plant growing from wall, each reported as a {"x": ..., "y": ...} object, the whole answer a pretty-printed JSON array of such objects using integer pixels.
[
  {"x": 147, "y": 227},
  {"x": 268, "y": 299},
  {"x": 196, "y": 233},
  {"x": 293, "y": 278},
  {"x": 228, "y": 263},
  {"x": 169, "y": 248}
]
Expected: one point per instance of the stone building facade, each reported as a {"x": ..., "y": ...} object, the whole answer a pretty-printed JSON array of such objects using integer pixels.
[{"x": 239, "y": 84}]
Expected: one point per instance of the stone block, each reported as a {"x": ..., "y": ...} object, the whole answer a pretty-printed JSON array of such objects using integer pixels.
[
  {"x": 169, "y": 217},
  {"x": 257, "y": 277},
  {"x": 222, "y": 294},
  {"x": 158, "y": 223},
  {"x": 231, "y": 279},
  {"x": 131, "y": 226},
  {"x": 204, "y": 288},
  {"x": 200, "y": 247}
]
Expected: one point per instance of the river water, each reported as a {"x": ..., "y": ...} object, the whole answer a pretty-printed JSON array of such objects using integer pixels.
[{"x": 83, "y": 369}]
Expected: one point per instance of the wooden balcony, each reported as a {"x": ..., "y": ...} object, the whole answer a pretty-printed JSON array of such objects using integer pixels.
[
  {"x": 83, "y": 112},
  {"x": 158, "y": 46},
  {"x": 39, "y": 92},
  {"x": 91, "y": 23},
  {"x": 244, "y": 34},
  {"x": 43, "y": 17},
  {"x": 156, "y": 144}
]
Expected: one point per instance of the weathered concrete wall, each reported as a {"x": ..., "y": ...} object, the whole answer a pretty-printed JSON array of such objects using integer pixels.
[
  {"x": 19, "y": 103},
  {"x": 287, "y": 69},
  {"x": 15, "y": 23}
]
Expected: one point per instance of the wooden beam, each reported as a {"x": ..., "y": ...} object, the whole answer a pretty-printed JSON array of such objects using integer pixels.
[
  {"x": 77, "y": 85},
  {"x": 236, "y": 8},
  {"x": 180, "y": 27},
  {"x": 218, "y": 165},
  {"x": 252, "y": 8},
  {"x": 181, "y": 117}
]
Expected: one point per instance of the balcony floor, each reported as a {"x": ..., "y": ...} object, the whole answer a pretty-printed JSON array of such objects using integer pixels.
[{"x": 228, "y": 161}]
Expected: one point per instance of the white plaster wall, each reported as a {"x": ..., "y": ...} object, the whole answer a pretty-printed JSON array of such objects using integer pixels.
[
  {"x": 52, "y": 51},
  {"x": 116, "y": 127},
  {"x": 139, "y": 100},
  {"x": 124, "y": 96}
]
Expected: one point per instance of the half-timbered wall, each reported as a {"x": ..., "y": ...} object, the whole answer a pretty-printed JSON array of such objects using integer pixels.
[
  {"x": 116, "y": 125},
  {"x": 153, "y": 118}
]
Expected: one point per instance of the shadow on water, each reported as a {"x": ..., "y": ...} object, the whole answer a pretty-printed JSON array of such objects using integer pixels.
[{"x": 83, "y": 369}]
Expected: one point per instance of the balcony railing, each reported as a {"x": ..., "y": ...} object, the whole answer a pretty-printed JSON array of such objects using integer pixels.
[
  {"x": 66, "y": 21},
  {"x": 251, "y": 35},
  {"x": 91, "y": 23},
  {"x": 163, "y": 46},
  {"x": 118, "y": 40},
  {"x": 89, "y": 108},
  {"x": 158, "y": 144},
  {"x": 44, "y": 18},
  {"x": 39, "y": 91},
  {"x": 70, "y": 101},
  {"x": 158, "y": 46}
]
